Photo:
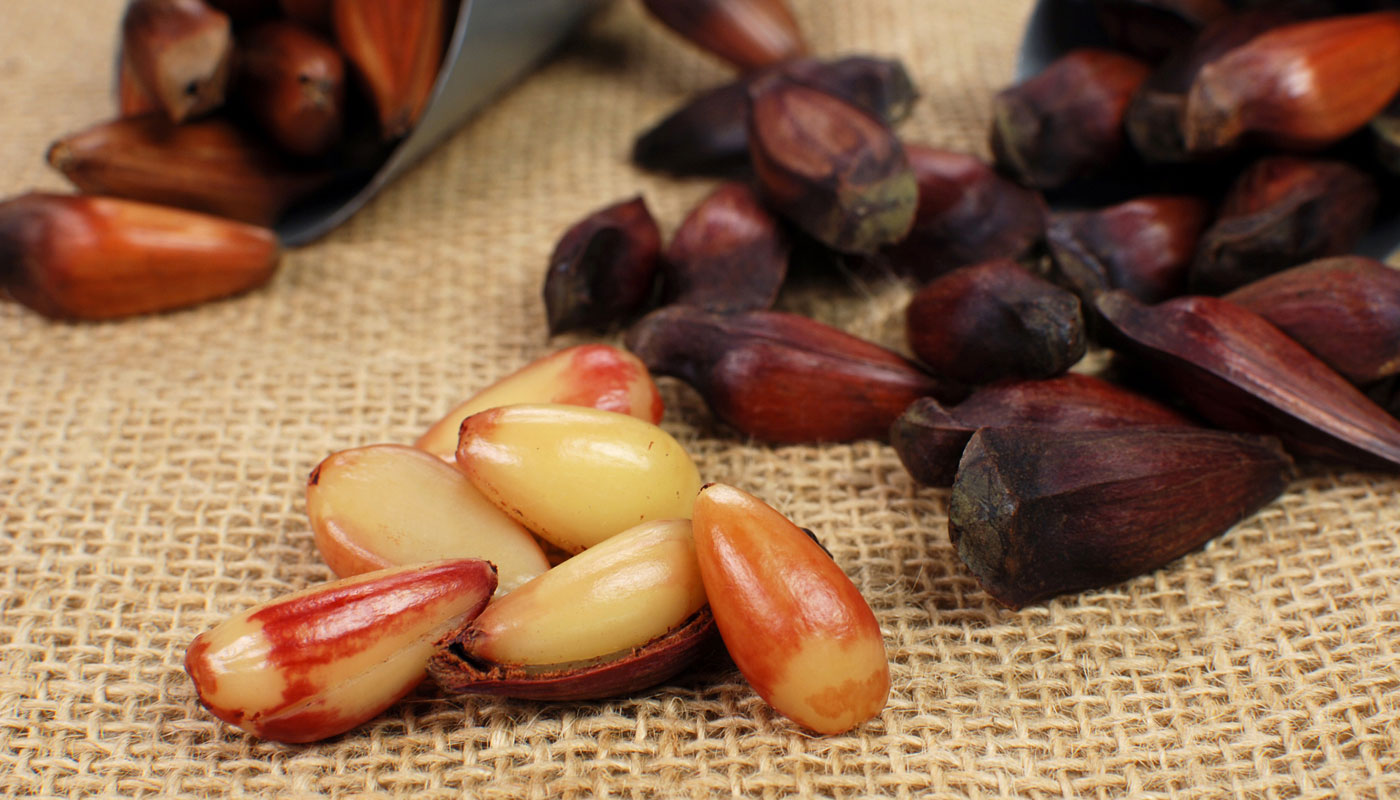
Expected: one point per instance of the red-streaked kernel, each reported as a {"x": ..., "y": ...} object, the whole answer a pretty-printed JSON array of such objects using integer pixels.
[
  {"x": 593, "y": 375},
  {"x": 321, "y": 661},
  {"x": 796, "y": 626}
]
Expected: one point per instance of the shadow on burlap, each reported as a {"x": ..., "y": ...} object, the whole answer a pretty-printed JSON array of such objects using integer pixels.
[{"x": 152, "y": 473}]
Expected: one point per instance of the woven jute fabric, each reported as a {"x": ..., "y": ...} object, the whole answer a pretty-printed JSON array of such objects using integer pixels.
[{"x": 152, "y": 475}]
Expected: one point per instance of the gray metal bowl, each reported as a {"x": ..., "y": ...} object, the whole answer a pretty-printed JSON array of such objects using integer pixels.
[
  {"x": 494, "y": 43},
  {"x": 1057, "y": 26}
]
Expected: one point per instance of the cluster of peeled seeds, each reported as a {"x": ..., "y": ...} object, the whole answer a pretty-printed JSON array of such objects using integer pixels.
[
  {"x": 1059, "y": 482},
  {"x": 547, "y": 540},
  {"x": 445, "y": 571}
]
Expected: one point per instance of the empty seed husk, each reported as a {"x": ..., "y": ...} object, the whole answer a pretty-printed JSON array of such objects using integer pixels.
[
  {"x": 784, "y": 378},
  {"x": 614, "y": 675},
  {"x": 930, "y": 438},
  {"x": 619, "y": 617},
  {"x": 728, "y": 255},
  {"x": 1345, "y": 310},
  {"x": 1281, "y": 212},
  {"x": 1036, "y": 513},
  {"x": 1241, "y": 373},
  {"x": 604, "y": 269},
  {"x": 994, "y": 321}
]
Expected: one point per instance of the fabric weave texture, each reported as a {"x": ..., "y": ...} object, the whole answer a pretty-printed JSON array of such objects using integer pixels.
[{"x": 152, "y": 473}]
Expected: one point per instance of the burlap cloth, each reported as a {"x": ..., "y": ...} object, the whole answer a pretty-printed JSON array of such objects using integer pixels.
[{"x": 152, "y": 477}]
